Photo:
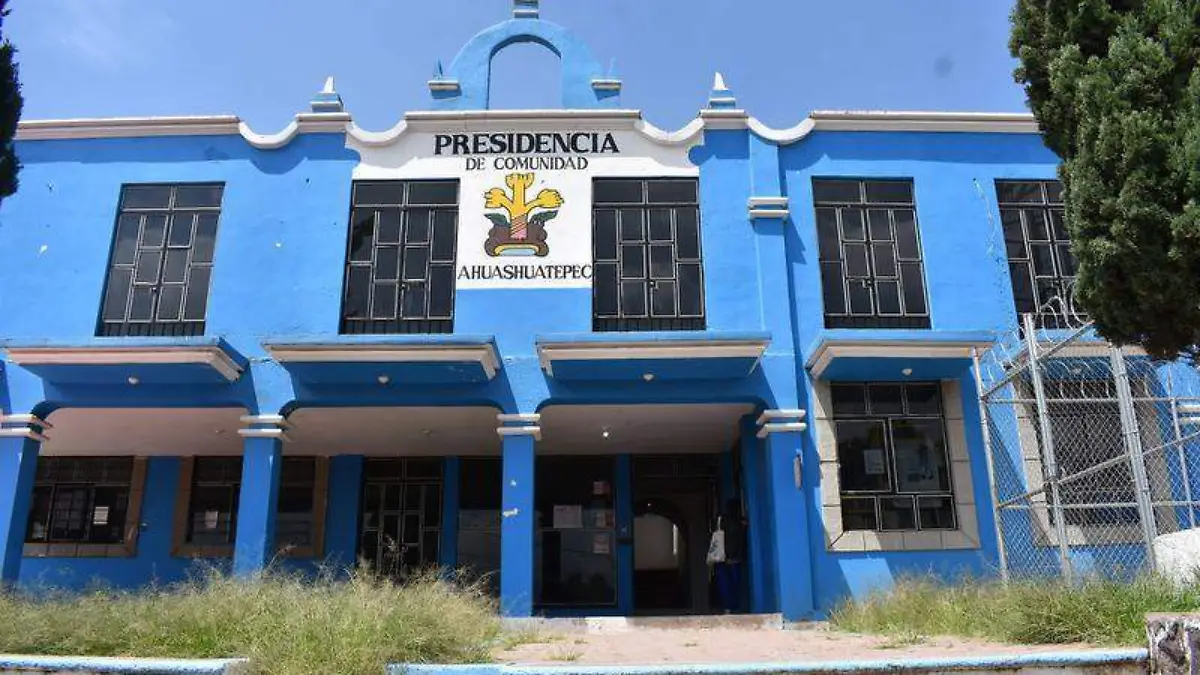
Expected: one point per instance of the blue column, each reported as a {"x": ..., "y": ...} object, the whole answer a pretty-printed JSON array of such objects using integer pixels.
[
  {"x": 18, "y": 467},
  {"x": 258, "y": 503},
  {"x": 517, "y": 527},
  {"x": 758, "y": 533},
  {"x": 792, "y": 561},
  {"x": 623, "y": 503},
  {"x": 341, "y": 515},
  {"x": 448, "y": 553}
]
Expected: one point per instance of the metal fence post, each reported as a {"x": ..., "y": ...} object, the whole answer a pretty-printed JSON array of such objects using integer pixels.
[
  {"x": 991, "y": 469},
  {"x": 1132, "y": 442},
  {"x": 1039, "y": 394}
]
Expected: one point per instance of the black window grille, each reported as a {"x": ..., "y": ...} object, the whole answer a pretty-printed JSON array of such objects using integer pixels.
[
  {"x": 217, "y": 485},
  {"x": 80, "y": 500},
  {"x": 401, "y": 525},
  {"x": 400, "y": 259},
  {"x": 294, "y": 520},
  {"x": 870, "y": 254},
  {"x": 892, "y": 457},
  {"x": 647, "y": 272},
  {"x": 161, "y": 262},
  {"x": 1040, "y": 262}
]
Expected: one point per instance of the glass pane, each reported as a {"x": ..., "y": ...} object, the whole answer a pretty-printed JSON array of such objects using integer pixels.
[
  {"x": 672, "y": 191},
  {"x": 862, "y": 455},
  {"x": 1054, "y": 192},
  {"x": 879, "y": 224},
  {"x": 145, "y": 197},
  {"x": 439, "y": 192},
  {"x": 906, "y": 235},
  {"x": 633, "y": 261},
  {"x": 388, "y": 229},
  {"x": 362, "y": 234},
  {"x": 848, "y": 399},
  {"x": 196, "y": 196},
  {"x": 860, "y": 297},
  {"x": 390, "y": 193},
  {"x": 920, "y": 450},
  {"x": 147, "y": 266},
  {"x": 206, "y": 237},
  {"x": 1047, "y": 295},
  {"x": 662, "y": 298},
  {"x": 887, "y": 297},
  {"x": 914, "y": 288},
  {"x": 605, "y": 242},
  {"x": 170, "y": 302},
  {"x": 604, "y": 287},
  {"x": 937, "y": 513},
  {"x": 633, "y": 298},
  {"x": 631, "y": 225},
  {"x": 884, "y": 257},
  {"x": 441, "y": 291},
  {"x": 383, "y": 305},
  {"x": 414, "y": 301},
  {"x": 836, "y": 190},
  {"x": 852, "y": 225},
  {"x": 416, "y": 262},
  {"x": 858, "y": 513},
  {"x": 1022, "y": 286},
  {"x": 444, "y": 232},
  {"x": 196, "y": 302},
  {"x": 1019, "y": 191},
  {"x": 116, "y": 294},
  {"x": 896, "y": 513},
  {"x": 886, "y": 399},
  {"x": 387, "y": 263},
  {"x": 358, "y": 285},
  {"x": 856, "y": 260},
  {"x": 923, "y": 399},
  {"x": 181, "y": 229},
  {"x": 895, "y": 191},
  {"x": 691, "y": 290},
  {"x": 687, "y": 234},
  {"x": 1014, "y": 236},
  {"x": 1035, "y": 223},
  {"x": 1058, "y": 225},
  {"x": 417, "y": 231},
  {"x": 1043, "y": 260},
  {"x": 660, "y": 225},
  {"x": 831, "y": 288},
  {"x": 828, "y": 242},
  {"x": 617, "y": 191},
  {"x": 154, "y": 231},
  {"x": 141, "y": 307},
  {"x": 1066, "y": 261},
  {"x": 661, "y": 264},
  {"x": 125, "y": 245}
]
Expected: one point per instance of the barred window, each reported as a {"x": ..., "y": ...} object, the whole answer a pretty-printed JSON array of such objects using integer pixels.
[
  {"x": 1040, "y": 262},
  {"x": 870, "y": 254},
  {"x": 400, "y": 259},
  {"x": 892, "y": 457},
  {"x": 161, "y": 262},
  {"x": 647, "y": 272},
  {"x": 294, "y": 521},
  {"x": 80, "y": 500},
  {"x": 213, "y": 503}
]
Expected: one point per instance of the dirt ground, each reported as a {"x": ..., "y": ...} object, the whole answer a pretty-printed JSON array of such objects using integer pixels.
[{"x": 727, "y": 644}]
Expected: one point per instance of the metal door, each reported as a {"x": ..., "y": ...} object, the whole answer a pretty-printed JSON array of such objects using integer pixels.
[{"x": 401, "y": 515}]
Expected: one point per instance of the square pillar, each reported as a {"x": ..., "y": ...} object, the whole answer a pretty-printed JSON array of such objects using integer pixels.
[
  {"x": 258, "y": 501},
  {"x": 782, "y": 433},
  {"x": 518, "y": 520},
  {"x": 18, "y": 468}
]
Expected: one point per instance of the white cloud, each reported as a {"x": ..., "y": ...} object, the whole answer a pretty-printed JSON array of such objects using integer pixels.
[{"x": 110, "y": 34}]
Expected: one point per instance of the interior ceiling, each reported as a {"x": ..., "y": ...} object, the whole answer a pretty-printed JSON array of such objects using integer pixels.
[{"x": 566, "y": 429}]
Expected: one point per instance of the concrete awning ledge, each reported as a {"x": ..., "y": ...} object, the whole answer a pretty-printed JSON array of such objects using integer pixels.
[
  {"x": 854, "y": 354},
  {"x": 167, "y": 360},
  {"x": 364, "y": 359},
  {"x": 667, "y": 356}
]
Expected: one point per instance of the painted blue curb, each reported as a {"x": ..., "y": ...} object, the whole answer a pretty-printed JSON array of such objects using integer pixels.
[
  {"x": 1078, "y": 658},
  {"x": 111, "y": 664}
]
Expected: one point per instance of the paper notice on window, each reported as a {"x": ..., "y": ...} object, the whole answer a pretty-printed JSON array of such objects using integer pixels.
[
  {"x": 600, "y": 488},
  {"x": 211, "y": 518},
  {"x": 600, "y": 545},
  {"x": 602, "y": 519},
  {"x": 873, "y": 462},
  {"x": 100, "y": 515},
  {"x": 568, "y": 516}
]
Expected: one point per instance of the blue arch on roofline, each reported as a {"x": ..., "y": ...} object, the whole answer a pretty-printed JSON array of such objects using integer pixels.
[{"x": 472, "y": 67}]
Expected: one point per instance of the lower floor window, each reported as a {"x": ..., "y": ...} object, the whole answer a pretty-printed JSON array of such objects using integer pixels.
[
  {"x": 80, "y": 500},
  {"x": 893, "y": 466},
  {"x": 216, "y": 488}
]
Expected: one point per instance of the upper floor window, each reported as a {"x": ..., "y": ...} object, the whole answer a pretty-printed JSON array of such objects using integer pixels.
[
  {"x": 870, "y": 253},
  {"x": 647, "y": 271},
  {"x": 80, "y": 500},
  {"x": 1039, "y": 250},
  {"x": 161, "y": 261},
  {"x": 400, "y": 260}
]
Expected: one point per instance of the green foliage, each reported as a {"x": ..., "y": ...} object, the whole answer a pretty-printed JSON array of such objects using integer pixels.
[
  {"x": 498, "y": 219},
  {"x": 282, "y": 623},
  {"x": 10, "y": 112},
  {"x": 1096, "y": 612},
  {"x": 1115, "y": 87},
  {"x": 540, "y": 219}
]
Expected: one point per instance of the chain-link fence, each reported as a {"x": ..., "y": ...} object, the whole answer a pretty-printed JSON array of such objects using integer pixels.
[{"x": 1094, "y": 453}]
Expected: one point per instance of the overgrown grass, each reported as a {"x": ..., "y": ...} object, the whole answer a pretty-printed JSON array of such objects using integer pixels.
[
  {"x": 1095, "y": 611},
  {"x": 284, "y": 624}
]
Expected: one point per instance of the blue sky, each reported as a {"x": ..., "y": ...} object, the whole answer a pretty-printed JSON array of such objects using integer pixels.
[{"x": 263, "y": 59}]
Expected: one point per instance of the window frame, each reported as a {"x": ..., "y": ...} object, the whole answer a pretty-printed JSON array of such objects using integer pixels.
[
  {"x": 1046, "y": 313},
  {"x": 646, "y": 320},
  {"x": 156, "y": 326},
  {"x": 847, "y": 318},
  {"x": 126, "y": 548}
]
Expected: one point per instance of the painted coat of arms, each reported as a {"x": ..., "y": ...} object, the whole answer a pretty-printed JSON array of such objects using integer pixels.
[{"x": 520, "y": 230}]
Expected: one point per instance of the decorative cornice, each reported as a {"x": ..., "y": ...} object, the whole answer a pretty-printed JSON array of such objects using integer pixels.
[
  {"x": 212, "y": 356},
  {"x": 483, "y": 354},
  {"x": 829, "y": 350},
  {"x": 667, "y": 349}
]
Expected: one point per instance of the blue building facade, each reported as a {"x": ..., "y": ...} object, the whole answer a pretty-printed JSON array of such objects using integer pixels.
[{"x": 549, "y": 348}]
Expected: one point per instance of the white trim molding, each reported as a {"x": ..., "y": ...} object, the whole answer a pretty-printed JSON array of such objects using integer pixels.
[
  {"x": 768, "y": 207},
  {"x": 606, "y": 84},
  {"x": 26, "y": 419},
  {"x": 530, "y": 430},
  {"x": 265, "y": 426},
  {"x": 666, "y": 350},
  {"x": 829, "y": 350},
  {"x": 506, "y": 418},
  {"x": 445, "y": 85},
  {"x": 209, "y": 355},
  {"x": 483, "y": 354}
]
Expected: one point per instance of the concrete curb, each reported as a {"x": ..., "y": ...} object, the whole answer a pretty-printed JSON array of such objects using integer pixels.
[
  {"x": 110, "y": 664},
  {"x": 1064, "y": 659}
]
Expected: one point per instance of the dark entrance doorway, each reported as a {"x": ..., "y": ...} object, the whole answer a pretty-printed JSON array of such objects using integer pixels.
[
  {"x": 401, "y": 522},
  {"x": 675, "y": 499}
]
